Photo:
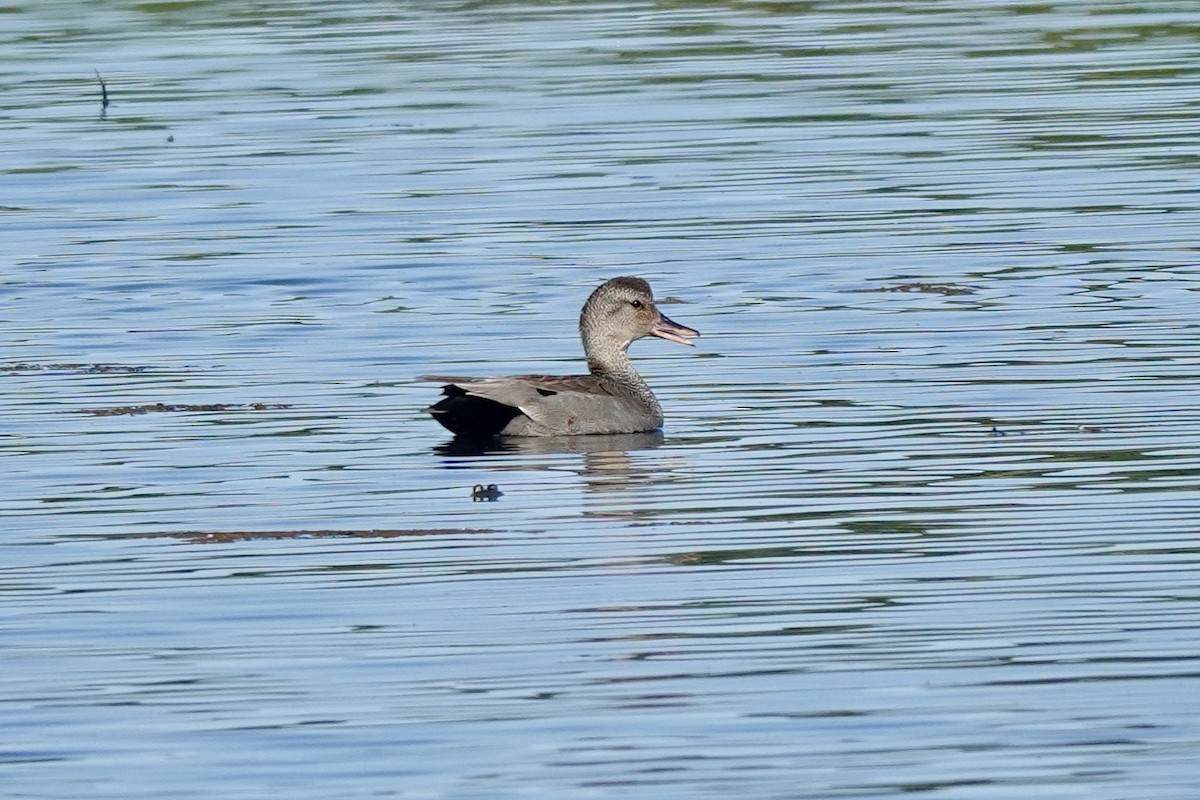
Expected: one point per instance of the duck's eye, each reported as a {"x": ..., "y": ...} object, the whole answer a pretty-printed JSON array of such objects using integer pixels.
[{"x": 635, "y": 303}]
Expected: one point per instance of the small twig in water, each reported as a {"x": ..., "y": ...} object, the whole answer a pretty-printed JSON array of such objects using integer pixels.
[{"x": 103, "y": 93}]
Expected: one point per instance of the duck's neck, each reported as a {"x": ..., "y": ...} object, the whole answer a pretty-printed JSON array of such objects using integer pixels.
[{"x": 609, "y": 359}]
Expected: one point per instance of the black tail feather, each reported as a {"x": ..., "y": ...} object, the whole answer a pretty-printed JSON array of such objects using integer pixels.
[{"x": 468, "y": 415}]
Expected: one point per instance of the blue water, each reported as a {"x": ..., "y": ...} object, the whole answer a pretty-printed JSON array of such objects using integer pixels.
[{"x": 922, "y": 520}]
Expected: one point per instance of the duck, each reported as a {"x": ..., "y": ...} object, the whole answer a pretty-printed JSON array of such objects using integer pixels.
[{"x": 611, "y": 399}]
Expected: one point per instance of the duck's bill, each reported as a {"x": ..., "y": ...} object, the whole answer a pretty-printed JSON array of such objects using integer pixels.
[{"x": 673, "y": 331}]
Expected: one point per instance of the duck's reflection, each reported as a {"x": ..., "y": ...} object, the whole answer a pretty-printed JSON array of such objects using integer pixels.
[
  {"x": 607, "y": 462},
  {"x": 551, "y": 445}
]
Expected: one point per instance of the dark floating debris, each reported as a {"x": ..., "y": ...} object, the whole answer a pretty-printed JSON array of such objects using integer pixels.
[
  {"x": 995, "y": 431},
  {"x": 185, "y": 408},
  {"x": 81, "y": 369},
  {"x": 103, "y": 95},
  {"x": 924, "y": 288},
  {"x": 491, "y": 492}
]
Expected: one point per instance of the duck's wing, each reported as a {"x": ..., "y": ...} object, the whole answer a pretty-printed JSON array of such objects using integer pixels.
[{"x": 536, "y": 405}]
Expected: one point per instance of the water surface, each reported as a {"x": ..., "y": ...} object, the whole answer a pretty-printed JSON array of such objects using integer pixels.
[{"x": 923, "y": 517}]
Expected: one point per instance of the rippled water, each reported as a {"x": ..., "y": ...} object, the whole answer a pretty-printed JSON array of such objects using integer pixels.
[{"x": 923, "y": 519}]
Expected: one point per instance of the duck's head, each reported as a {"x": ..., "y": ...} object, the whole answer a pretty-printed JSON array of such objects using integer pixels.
[{"x": 622, "y": 310}]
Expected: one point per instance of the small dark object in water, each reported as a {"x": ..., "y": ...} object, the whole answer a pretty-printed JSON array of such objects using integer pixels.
[
  {"x": 491, "y": 492},
  {"x": 103, "y": 94},
  {"x": 997, "y": 432}
]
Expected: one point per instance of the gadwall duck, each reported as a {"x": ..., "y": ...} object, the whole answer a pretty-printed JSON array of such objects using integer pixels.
[{"x": 612, "y": 399}]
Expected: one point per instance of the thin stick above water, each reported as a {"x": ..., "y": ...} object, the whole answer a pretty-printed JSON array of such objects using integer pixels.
[{"x": 103, "y": 94}]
